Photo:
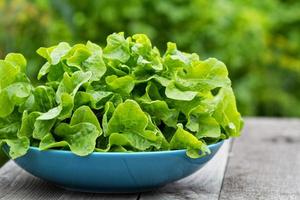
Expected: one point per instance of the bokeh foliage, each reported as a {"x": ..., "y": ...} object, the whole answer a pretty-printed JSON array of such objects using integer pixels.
[{"x": 259, "y": 41}]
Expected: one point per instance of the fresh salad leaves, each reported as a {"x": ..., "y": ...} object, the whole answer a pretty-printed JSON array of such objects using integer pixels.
[{"x": 124, "y": 97}]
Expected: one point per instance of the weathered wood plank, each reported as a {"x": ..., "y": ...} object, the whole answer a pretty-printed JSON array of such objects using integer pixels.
[
  {"x": 265, "y": 161},
  {"x": 15, "y": 183},
  {"x": 205, "y": 184},
  {"x": 264, "y": 164}
]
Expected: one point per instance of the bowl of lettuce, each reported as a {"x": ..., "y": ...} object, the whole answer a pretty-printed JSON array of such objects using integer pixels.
[{"x": 120, "y": 118}]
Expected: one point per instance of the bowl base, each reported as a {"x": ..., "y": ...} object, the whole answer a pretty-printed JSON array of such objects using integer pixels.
[{"x": 110, "y": 191}]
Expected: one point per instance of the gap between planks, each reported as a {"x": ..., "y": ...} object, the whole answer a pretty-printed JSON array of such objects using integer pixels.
[{"x": 265, "y": 161}]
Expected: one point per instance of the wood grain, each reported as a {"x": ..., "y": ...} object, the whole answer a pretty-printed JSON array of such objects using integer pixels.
[
  {"x": 265, "y": 162},
  {"x": 205, "y": 184},
  {"x": 16, "y": 184}
]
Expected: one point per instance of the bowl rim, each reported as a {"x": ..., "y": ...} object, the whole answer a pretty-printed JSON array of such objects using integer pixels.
[{"x": 122, "y": 153}]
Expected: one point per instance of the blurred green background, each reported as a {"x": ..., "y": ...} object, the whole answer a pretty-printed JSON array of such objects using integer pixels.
[{"x": 258, "y": 40}]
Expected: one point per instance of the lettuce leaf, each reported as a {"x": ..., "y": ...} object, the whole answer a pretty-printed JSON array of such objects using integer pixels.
[{"x": 125, "y": 97}]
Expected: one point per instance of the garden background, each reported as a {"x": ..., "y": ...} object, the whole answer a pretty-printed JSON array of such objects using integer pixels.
[{"x": 259, "y": 41}]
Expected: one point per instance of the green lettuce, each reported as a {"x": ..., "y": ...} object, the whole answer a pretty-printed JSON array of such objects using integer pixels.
[{"x": 125, "y": 97}]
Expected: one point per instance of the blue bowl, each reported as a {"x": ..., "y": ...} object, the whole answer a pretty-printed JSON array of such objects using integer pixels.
[{"x": 112, "y": 172}]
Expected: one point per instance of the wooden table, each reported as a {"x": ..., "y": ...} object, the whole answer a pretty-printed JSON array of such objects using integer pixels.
[{"x": 264, "y": 163}]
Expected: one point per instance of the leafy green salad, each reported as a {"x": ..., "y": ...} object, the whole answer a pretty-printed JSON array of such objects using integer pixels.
[{"x": 125, "y": 97}]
